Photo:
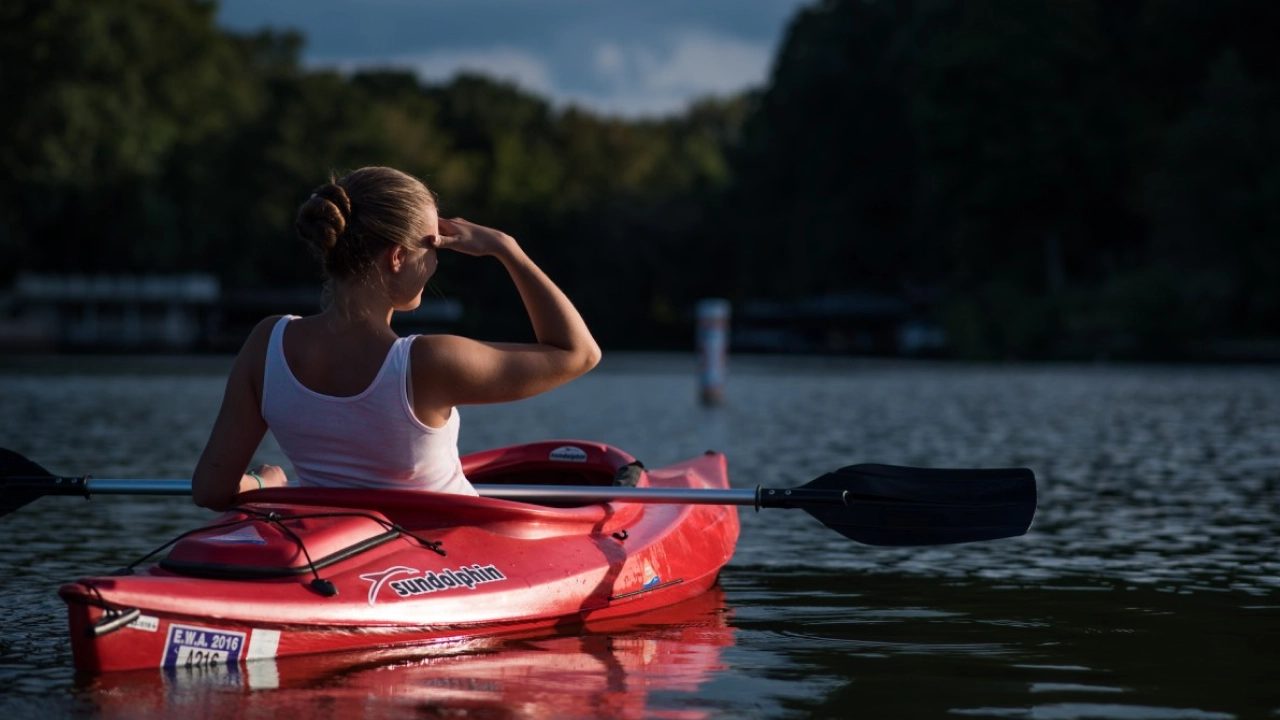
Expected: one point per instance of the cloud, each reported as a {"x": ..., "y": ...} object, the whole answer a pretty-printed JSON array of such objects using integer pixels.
[
  {"x": 630, "y": 79},
  {"x": 702, "y": 63},
  {"x": 632, "y": 59},
  {"x": 502, "y": 63},
  {"x": 665, "y": 75}
]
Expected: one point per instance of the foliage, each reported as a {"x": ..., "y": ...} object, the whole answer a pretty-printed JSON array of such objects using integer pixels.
[
  {"x": 1076, "y": 178},
  {"x": 1065, "y": 179}
]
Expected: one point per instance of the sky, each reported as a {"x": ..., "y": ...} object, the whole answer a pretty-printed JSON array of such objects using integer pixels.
[{"x": 631, "y": 58}]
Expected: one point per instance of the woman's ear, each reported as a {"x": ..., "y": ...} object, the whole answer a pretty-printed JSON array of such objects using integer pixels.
[{"x": 396, "y": 257}]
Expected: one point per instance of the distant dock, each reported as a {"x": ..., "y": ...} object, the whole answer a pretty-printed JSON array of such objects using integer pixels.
[{"x": 44, "y": 313}]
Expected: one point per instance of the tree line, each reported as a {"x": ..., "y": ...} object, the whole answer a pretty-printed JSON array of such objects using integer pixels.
[{"x": 1048, "y": 179}]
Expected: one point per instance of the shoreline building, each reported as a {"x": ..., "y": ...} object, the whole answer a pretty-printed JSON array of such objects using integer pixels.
[
  {"x": 46, "y": 313},
  {"x": 109, "y": 312}
]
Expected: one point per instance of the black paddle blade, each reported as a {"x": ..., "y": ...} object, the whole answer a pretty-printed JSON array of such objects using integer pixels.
[
  {"x": 23, "y": 481},
  {"x": 14, "y": 468},
  {"x": 890, "y": 505}
]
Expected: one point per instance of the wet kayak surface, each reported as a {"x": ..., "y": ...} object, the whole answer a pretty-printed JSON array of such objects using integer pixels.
[{"x": 1148, "y": 587}]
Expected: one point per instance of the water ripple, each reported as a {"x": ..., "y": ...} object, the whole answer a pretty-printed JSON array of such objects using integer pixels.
[{"x": 1148, "y": 579}]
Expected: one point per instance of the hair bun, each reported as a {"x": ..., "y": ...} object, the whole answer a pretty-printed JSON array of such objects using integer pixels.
[
  {"x": 393, "y": 210},
  {"x": 336, "y": 195},
  {"x": 324, "y": 217}
]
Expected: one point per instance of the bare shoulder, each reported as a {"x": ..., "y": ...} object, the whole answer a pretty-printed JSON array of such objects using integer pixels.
[
  {"x": 256, "y": 344},
  {"x": 262, "y": 331},
  {"x": 252, "y": 358},
  {"x": 435, "y": 353},
  {"x": 436, "y": 363}
]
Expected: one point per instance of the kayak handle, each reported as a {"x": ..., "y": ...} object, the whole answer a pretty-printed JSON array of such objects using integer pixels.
[{"x": 112, "y": 621}]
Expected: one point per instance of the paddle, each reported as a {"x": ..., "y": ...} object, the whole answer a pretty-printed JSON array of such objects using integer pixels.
[{"x": 871, "y": 504}]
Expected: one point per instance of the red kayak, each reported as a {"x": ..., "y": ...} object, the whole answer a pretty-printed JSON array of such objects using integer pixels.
[
  {"x": 637, "y": 667},
  {"x": 296, "y": 571}
]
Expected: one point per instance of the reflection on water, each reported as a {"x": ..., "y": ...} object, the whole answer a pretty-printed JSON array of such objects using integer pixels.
[
  {"x": 1149, "y": 586},
  {"x": 909, "y": 646},
  {"x": 624, "y": 671}
]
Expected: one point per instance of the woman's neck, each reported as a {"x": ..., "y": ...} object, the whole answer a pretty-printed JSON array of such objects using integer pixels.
[{"x": 356, "y": 307}]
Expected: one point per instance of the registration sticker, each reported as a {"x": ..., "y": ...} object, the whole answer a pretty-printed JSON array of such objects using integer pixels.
[
  {"x": 189, "y": 646},
  {"x": 145, "y": 622}
]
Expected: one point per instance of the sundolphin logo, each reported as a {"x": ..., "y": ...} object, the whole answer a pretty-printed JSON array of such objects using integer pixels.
[
  {"x": 380, "y": 578},
  {"x": 430, "y": 581}
]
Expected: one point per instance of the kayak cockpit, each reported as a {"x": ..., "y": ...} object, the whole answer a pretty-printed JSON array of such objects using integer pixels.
[
  {"x": 556, "y": 463},
  {"x": 548, "y": 463}
]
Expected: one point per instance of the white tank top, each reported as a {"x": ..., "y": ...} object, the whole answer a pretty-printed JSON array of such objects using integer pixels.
[{"x": 370, "y": 440}]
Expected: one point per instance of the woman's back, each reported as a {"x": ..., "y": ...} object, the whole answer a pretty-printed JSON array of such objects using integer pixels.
[
  {"x": 334, "y": 363},
  {"x": 368, "y": 438}
]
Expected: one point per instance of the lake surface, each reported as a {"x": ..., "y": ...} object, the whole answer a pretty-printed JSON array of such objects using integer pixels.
[{"x": 1148, "y": 587}]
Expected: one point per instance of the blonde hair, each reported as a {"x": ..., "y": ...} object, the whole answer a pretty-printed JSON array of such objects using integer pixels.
[{"x": 347, "y": 221}]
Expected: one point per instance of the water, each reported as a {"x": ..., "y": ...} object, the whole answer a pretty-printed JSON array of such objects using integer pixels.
[{"x": 1148, "y": 588}]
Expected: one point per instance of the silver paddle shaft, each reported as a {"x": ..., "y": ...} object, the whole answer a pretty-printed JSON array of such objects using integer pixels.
[
  {"x": 553, "y": 493},
  {"x": 523, "y": 493}
]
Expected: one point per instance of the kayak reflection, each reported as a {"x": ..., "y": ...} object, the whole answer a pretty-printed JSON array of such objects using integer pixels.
[{"x": 606, "y": 670}]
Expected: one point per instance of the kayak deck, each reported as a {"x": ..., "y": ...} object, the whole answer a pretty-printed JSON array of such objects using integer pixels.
[{"x": 295, "y": 571}]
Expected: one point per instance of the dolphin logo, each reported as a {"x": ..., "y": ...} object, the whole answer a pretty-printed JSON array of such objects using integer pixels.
[{"x": 380, "y": 578}]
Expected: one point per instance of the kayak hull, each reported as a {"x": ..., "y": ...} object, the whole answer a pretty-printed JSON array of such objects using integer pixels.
[
  {"x": 618, "y": 669},
  {"x": 298, "y": 571}
]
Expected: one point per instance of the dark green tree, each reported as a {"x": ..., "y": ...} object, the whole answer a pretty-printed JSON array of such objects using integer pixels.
[{"x": 102, "y": 96}]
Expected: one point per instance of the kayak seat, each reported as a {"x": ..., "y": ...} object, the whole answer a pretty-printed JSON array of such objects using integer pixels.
[
  {"x": 556, "y": 462},
  {"x": 592, "y": 477}
]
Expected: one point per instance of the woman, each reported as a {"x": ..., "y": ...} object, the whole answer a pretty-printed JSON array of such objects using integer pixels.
[{"x": 350, "y": 403}]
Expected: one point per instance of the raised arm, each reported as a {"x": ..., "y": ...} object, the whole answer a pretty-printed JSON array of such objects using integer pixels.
[{"x": 451, "y": 370}]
